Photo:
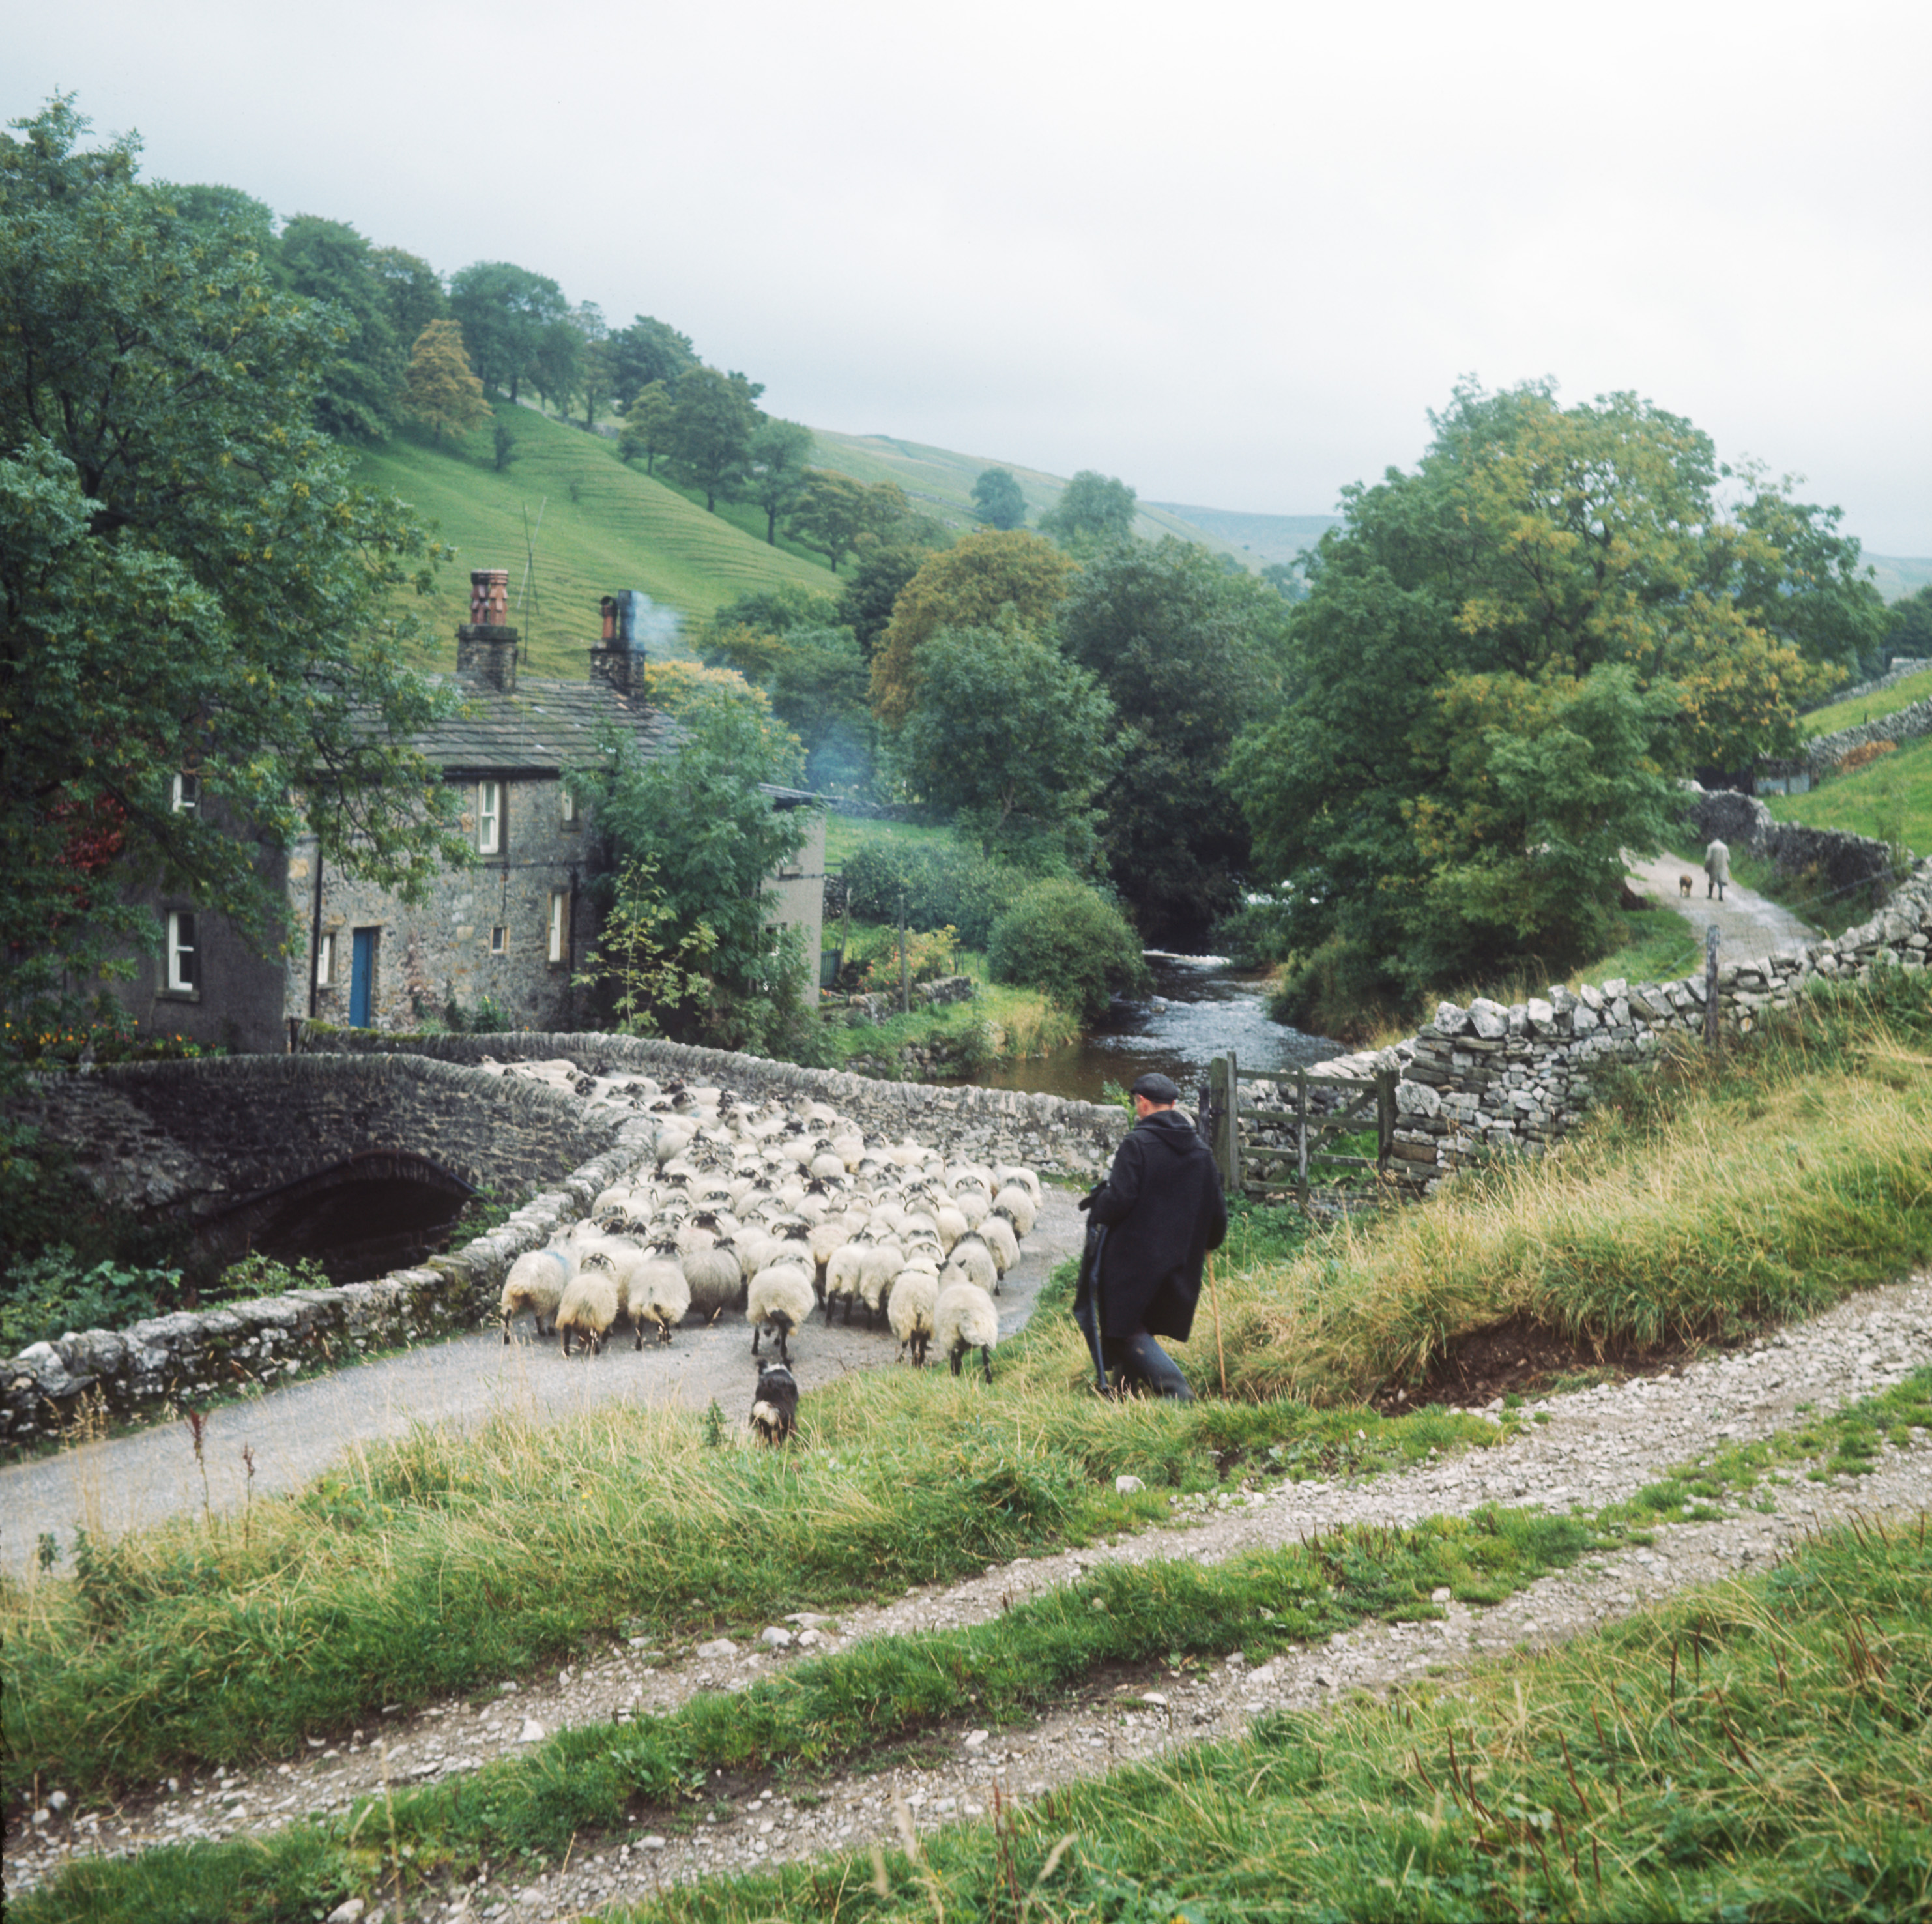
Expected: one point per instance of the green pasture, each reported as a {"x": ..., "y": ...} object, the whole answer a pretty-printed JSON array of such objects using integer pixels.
[
  {"x": 1869, "y": 707},
  {"x": 1889, "y": 799},
  {"x": 604, "y": 527}
]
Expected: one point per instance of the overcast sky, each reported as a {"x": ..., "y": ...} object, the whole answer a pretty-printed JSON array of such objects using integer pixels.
[{"x": 1232, "y": 252}]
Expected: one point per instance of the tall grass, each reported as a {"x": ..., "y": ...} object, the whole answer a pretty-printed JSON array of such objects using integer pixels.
[
  {"x": 1753, "y": 1750},
  {"x": 1702, "y": 1198}
]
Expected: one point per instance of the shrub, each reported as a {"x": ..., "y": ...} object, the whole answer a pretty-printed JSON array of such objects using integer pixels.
[
  {"x": 943, "y": 886},
  {"x": 52, "y": 1293},
  {"x": 1069, "y": 943},
  {"x": 1864, "y": 755}
]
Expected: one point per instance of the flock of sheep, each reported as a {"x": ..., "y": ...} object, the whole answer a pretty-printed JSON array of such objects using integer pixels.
[{"x": 777, "y": 1210}]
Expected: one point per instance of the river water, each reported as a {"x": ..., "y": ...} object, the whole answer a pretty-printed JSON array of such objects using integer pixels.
[{"x": 1201, "y": 1007}]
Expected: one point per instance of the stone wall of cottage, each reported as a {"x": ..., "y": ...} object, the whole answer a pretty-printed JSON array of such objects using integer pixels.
[{"x": 481, "y": 934}]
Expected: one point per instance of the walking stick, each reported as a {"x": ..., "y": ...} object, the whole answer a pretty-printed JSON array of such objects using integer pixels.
[{"x": 1214, "y": 1297}]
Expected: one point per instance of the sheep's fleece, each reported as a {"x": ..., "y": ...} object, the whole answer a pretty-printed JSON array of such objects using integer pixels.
[{"x": 783, "y": 1182}]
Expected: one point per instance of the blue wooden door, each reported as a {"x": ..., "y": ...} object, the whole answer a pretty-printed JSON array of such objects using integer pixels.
[{"x": 361, "y": 977}]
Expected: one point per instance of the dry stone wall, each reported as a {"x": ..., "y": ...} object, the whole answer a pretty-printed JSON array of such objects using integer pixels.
[{"x": 1486, "y": 1078}]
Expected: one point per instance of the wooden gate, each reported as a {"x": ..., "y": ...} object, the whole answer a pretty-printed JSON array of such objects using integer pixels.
[{"x": 1250, "y": 1167}]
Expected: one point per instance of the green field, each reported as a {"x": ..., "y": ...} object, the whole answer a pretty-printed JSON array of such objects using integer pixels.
[
  {"x": 1864, "y": 707},
  {"x": 939, "y": 482},
  {"x": 604, "y": 527},
  {"x": 1889, "y": 799}
]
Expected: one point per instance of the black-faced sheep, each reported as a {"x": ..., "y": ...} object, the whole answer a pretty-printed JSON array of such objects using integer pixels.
[
  {"x": 915, "y": 1295},
  {"x": 964, "y": 1318},
  {"x": 780, "y": 1298},
  {"x": 775, "y": 1405},
  {"x": 590, "y": 1306},
  {"x": 536, "y": 1282},
  {"x": 1017, "y": 1202},
  {"x": 970, "y": 1255},
  {"x": 716, "y": 1279}
]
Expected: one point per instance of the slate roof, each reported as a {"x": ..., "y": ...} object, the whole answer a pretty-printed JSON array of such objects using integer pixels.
[{"x": 543, "y": 727}]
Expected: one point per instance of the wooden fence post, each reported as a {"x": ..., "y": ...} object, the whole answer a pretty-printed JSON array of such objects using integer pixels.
[
  {"x": 1226, "y": 1089},
  {"x": 1711, "y": 1029},
  {"x": 1385, "y": 1081},
  {"x": 1301, "y": 1136}
]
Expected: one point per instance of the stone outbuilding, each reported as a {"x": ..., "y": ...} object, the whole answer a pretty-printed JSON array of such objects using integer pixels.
[{"x": 500, "y": 939}]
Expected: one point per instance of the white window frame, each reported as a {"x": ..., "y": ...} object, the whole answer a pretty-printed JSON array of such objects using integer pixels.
[
  {"x": 500, "y": 939},
  {"x": 184, "y": 796},
  {"x": 324, "y": 959},
  {"x": 567, "y": 807},
  {"x": 489, "y": 817},
  {"x": 183, "y": 968},
  {"x": 560, "y": 923}
]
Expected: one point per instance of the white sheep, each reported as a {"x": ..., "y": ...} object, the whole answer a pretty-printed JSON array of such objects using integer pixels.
[
  {"x": 951, "y": 1223},
  {"x": 997, "y": 1232},
  {"x": 971, "y": 1256},
  {"x": 1017, "y": 1201},
  {"x": 964, "y": 1318},
  {"x": 714, "y": 1279},
  {"x": 590, "y": 1306},
  {"x": 780, "y": 1297},
  {"x": 844, "y": 1273},
  {"x": 915, "y": 1296},
  {"x": 884, "y": 1260},
  {"x": 660, "y": 1293},
  {"x": 536, "y": 1282}
]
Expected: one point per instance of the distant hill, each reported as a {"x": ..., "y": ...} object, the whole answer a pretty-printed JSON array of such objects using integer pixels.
[
  {"x": 604, "y": 527},
  {"x": 1263, "y": 538},
  {"x": 941, "y": 482},
  {"x": 1899, "y": 576}
]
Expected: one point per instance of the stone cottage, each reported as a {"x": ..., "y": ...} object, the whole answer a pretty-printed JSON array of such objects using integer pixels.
[{"x": 506, "y": 933}]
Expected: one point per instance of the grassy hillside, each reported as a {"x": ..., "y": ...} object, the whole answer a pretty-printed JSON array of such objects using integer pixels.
[
  {"x": 939, "y": 482},
  {"x": 605, "y": 526},
  {"x": 1260, "y": 539},
  {"x": 1864, "y": 707},
  {"x": 1890, "y": 800}
]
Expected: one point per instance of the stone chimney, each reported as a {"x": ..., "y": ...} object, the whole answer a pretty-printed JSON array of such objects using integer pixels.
[
  {"x": 486, "y": 645},
  {"x": 611, "y": 660}
]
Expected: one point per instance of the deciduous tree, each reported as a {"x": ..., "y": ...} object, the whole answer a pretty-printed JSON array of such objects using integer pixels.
[
  {"x": 713, "y": 420},
  {"x": 646, "y": 351},
  {"x": 440, "y": 391},
  {"x": 985, "y": 577},
  {"x": 1093, "y": 511},
  {"x": 1004, "y": 729},
  {"x": 646, "y": 430},
  {"x": 190, "y": 580},
  {"x": 329, "y": 260},
  {"x": 1533, "y": 545},
  {"x": 779, "y": 451},
  {"x": 1190, "y": 655},
  {"x": 504, "y": 310},
  {"x": 996, "y": 500}
]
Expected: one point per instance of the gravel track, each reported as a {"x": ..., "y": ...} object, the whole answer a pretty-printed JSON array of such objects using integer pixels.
[
  {"x": 1597, "y": 1446},
  {"x": 1748, "y": 924}
]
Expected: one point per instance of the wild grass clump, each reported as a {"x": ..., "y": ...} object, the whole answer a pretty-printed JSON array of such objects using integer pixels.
[
  {"x": 1753, "y": 1750},
  {"x": 1702, "y": 1199}
]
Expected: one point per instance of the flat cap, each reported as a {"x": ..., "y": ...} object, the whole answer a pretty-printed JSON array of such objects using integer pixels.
[{"x": 1157, "y": 1087}]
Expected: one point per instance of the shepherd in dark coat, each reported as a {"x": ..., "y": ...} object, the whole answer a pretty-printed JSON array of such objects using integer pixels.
[{"x": 1163, "y": 1210}]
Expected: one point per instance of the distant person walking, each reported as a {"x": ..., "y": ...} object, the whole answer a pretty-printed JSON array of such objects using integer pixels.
[
  {"x": 1157, "y": 1215},
  {"x": 1717, "y": 869}
]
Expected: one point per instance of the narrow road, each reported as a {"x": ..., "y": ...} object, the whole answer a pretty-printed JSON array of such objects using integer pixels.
[
  {"x": 127, "y": 1482},
  {"x": 1748, "y": 926}
]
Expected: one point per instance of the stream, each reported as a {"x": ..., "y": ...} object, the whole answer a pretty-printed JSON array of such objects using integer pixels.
[{"x": 1201, "y": 1007}]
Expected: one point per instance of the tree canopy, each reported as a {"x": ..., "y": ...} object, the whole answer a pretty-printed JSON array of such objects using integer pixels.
[
  {"x": 974, "y": 583},
  {"x": 189, "y": 580},
  {"x": 504, "y": 310},
  {"x": 779, "y": 453},
  {"x": 1534, "y": 549},
  {"x": 838, "y": 515},
  {"x": 996, "y": 500},
  {"x": 646, "y": 351},
  {"x": 1007, "y": 731},
  {"x": 440, "y": 391},
  {"x": 1093, "y": 511},
  {"x": 1188, "y": 654},
  {"x": 709, "y": 435}
]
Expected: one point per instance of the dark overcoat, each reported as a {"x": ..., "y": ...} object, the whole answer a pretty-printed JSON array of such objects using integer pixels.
[{"x": 1163, "y": 1206}]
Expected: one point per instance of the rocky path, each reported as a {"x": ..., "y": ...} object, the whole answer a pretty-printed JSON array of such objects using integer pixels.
[
  {"x": 125, "y": 1482},
  {"x": 1748, "y": 926},
  {"x": 1589, "y": 1448}
]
